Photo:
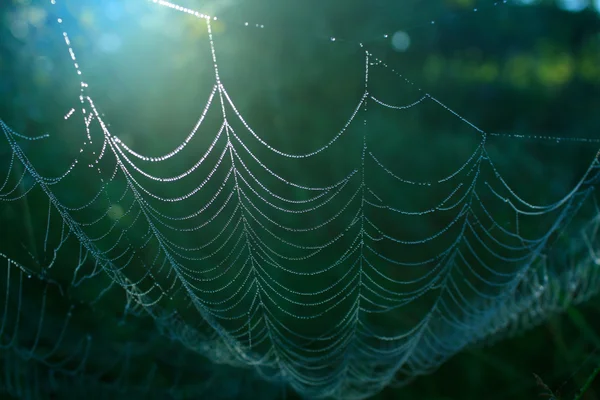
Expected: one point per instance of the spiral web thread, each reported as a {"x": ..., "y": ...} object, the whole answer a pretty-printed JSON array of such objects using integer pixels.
[{"x": 311, "y": 285}]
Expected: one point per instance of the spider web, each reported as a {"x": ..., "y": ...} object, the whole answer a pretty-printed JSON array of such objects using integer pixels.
[{"x": 335, "y": 277}]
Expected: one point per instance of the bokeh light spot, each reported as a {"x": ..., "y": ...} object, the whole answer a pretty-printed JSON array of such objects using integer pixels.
[
  {"x": 573, "y": 5},
  {"x": 114, "y": 11},
  {"x": 109, "y": 43},
  {"x": 400, "y": 41}
]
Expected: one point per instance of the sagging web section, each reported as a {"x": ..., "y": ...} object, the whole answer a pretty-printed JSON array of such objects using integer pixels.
[{"x": 324, "y": 286}]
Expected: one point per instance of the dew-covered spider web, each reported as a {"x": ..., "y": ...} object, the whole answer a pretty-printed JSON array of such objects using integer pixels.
[{"x": 253, "y": 191}]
